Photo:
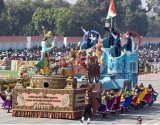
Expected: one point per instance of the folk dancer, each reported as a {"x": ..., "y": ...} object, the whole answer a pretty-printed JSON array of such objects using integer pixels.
[
  {"x": 8, "y": 101},
  {"x": 154, "y": 94}
]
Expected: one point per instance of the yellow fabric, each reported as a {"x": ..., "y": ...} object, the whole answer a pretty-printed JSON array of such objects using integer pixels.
[
  {"x": 127, "y": 93},
  {"x": 67, "y": 72},
  {"x": 122, "y": 98},
  {"x": 48, "y": 35},
  {"x": 141, "y": 95},
  {"x": 103, "y": 102},
  {"x": 44, "y": 70}
]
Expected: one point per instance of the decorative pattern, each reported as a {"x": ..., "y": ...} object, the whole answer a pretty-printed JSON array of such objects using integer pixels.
[
  {"x": 71, "y": 92},
  {"x": 93, "y": 70},
  {"x": 56, "y": 115},
  {"x": 53, "y": 82}
]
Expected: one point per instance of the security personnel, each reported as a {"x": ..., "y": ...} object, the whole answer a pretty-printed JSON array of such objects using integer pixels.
[
  {"x": 111, "y": 38},
  {"x": 87, "y": 106},
  {"x": 129, "y": 42},
  {"x": 117, "y": 45}
]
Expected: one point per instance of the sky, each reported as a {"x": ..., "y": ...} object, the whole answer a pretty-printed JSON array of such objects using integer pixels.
[{"x": 72, "y": 1}]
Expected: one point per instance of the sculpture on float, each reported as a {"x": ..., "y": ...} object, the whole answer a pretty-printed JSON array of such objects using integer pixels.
[
  {"x": 43, "y": 63},
  {"x": 99, "y": 51}
]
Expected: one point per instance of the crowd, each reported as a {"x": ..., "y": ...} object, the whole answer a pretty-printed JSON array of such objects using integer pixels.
[
  {"x": 149, "y": 57},
  {"x": 34, "y": 53}
]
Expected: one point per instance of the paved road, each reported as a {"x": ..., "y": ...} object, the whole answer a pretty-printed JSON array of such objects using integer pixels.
[{"x": 150, "y": 115}]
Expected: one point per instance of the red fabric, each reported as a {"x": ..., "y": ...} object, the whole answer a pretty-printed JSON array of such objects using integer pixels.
[
  {"x": 134, "y": 100},
  {"x": 117, "y": 105}
]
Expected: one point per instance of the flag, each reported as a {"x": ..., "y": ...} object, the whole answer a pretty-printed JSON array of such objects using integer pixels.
[{"x": 112, "y": 10}]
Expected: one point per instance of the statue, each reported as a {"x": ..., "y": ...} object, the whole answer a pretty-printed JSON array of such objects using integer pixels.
[
  {"x": 43, "y": 63},
  {"x": 6, "y": 62},
  {"x": 99, "y": 51},
  {"x": 23, "y": 72}
]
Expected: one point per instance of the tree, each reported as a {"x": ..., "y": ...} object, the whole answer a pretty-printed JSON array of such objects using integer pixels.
[
  {"x": 81, "y": 14},
  {"x": 2, "y": 6},
  {"x": 58, "y": 3},
  {"x": 153, "y": 5},
  {"x": 4, "y": 24},
  {"x": 154, "y": 28},
  {"x": 19, "y": 17},
  {"x": 47, "y": 18},
  {"x": 135, "y": 18}
]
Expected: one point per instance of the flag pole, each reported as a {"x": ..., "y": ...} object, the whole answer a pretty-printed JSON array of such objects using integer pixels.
[{"x": 111, "y": 22}]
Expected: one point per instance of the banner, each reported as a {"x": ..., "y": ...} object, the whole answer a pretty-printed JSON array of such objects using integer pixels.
[
  {"x": 28, "y": 42},
  {"x": 16, "y": 64}
]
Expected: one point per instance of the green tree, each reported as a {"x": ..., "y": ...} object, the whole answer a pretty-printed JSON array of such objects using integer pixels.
[
  {"x": 81, "y": 14},
  {"x": 154, "y": 27},
  {"x": 2, "y": 6},
  {"x": 47, "y": 18},
  {"x": 135, "y": 18},
  {"x": 58, "y": 3},
  {"x": 19, "y": 16},
  {"x": 4, "y": 25},
  {"x": 153, "y": 5}
]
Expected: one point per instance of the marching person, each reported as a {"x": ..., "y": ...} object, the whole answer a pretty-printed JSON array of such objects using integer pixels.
[{"x": 87, "y": 106}]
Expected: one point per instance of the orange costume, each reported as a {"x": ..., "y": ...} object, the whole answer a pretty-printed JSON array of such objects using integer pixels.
[{"x": 99, "y": 50}]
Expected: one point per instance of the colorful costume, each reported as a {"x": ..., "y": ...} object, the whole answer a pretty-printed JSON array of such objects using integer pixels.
[
  {"x": 99, "y": 51},
  {"x": 43, "y": 63},
  {"x": 8, "y": 101}
]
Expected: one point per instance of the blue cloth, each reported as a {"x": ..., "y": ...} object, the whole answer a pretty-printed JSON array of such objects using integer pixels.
[
  {"x": 127, "y": 101},
  {"x": 70, "y": 68}
]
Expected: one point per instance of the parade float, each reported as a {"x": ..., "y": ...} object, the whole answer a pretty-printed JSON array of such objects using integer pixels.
[
  {"x": 63, "y": 95},
  {"x": 49, "y": 95}
]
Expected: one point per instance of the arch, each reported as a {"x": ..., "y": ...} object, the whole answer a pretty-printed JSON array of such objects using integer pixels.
[
  {"x": 92, "y": 31},
  {"x": 135, "y": 35}
]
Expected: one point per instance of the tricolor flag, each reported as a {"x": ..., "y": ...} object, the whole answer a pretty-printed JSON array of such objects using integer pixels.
[{"x": 112, "y": 10}]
